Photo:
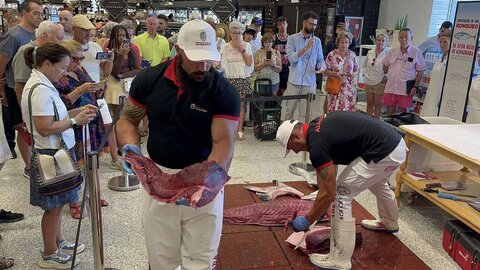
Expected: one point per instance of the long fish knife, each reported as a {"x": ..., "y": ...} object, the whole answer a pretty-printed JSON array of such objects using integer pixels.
[
  {"x": 455, "y": 198},
  {"x": 305, "y": 235}
]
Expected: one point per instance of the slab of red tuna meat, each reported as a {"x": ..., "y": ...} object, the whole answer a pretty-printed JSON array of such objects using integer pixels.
[
  {"x": 272, "y": 213},
  {"x": 198, "y": 184}
]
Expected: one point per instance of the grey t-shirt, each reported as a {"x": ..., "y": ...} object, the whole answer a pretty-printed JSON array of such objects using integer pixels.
[
  {"x": 16, "y": 37},
  {"x": 20, "y": 69}
]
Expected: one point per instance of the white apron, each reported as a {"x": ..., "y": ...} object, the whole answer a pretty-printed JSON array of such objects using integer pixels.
[{"x": 432, "y": 98}]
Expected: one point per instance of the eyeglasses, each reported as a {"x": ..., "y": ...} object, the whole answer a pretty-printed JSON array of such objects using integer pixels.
[
  {"x": 236, "y": 33},
  {"x": 78, "y": 59},
  {"x": 373, "y": 62},
  {"x": 38, "y": 14}
]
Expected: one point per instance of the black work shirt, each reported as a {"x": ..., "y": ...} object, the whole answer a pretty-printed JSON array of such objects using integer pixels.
[
  {"x": 341, "y": 137},
  {"x": 180, "y": 124}
]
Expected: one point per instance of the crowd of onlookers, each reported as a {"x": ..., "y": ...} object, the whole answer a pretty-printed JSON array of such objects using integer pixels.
[{"x": 83, "y": 68}]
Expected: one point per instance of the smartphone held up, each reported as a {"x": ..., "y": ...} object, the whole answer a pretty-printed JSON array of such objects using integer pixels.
[
  {"x": 103, "y": 56},
  {"x": 269, "y": 55}
]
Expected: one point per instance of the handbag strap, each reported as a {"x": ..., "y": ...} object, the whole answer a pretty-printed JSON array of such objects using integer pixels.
[
  {"x": 30, "y": 111},
  {"x": 55, "y": 111}
]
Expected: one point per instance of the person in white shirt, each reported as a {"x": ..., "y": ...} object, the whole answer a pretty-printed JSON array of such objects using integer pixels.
[
  {"x": 81, "y": 34},
  {"x": 49, "y": 62},
  {"x": 256, "y": 42},
  {"x": 375, "y": 78},
  {"x": 237, "y": 62}
]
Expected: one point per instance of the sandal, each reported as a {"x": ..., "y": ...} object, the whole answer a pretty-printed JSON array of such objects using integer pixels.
[
  {"x": 6, "y": 263},
  {"x": 75, "y": 211},
  {"x": 240, "y": 136},
  {"x": 103, "y": 202}
]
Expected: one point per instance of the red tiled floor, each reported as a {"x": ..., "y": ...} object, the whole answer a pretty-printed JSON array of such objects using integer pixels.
[
  {"x": 380, "y": 244},
  {"x": 250, "y": 250},
  {"x": 236, "y": 195},
  {"x": 257, "y": 247}
]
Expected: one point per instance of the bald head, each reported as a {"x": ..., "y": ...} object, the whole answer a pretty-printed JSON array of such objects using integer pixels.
[
  {"x": 66, "y": 20},
  {"x": 152, "y": 25}
]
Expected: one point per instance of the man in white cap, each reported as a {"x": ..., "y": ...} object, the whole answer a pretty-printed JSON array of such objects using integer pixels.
[
  {"x": 371, "y": 149},
  {"x": 193, "y": 115},
  {"x": 81, "y": 34}
]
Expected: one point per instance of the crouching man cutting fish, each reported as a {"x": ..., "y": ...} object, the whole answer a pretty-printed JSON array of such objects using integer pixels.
[
  {"x": 193, "y": 116},
  {"x": 371, "y": 149}
]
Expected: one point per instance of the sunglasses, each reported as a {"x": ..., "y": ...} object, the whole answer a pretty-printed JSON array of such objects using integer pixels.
[{"x": 78, "y": 59}]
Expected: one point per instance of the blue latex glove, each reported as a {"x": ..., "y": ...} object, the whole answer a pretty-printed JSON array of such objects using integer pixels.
[
  {"x": 182, "y": 201},
  {"x": 129, "y": 147},
  {"x": 300, "y": 223}
]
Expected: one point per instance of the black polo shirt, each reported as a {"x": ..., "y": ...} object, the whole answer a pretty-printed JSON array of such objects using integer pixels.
[
  {"x": 340, "y": 137},
  {"x": 179, "y": 123}
]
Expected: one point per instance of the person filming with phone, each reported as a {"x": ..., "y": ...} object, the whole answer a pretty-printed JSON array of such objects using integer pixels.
[
  {"x": 126, "y": 64},
  {"x": 268, "y": 64},
  {"x": 304, "y": 51}
]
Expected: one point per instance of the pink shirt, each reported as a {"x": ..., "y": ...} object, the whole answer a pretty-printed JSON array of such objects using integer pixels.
[{"x": 402, "y": 68}]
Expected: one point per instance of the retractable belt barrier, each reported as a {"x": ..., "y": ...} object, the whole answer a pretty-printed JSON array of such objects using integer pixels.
[
  {"x": 309, "y": 97},
  {"x": 93, "y": 184}
]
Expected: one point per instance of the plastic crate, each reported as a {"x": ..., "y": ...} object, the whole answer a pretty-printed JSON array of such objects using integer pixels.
[{"x": 266, "y": 122}]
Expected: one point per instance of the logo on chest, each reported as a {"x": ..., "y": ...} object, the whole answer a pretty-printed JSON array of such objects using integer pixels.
[{"x": 197, "y": 108}]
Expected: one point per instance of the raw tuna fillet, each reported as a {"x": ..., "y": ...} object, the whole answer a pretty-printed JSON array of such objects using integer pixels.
[
  {"x": 317, "y": 240},
  {"x": 315, "y": 237},
  {"x": 198, "y": 184},
  {"x": 271, "y": 193},
  {"x": 272, "y": 213}
]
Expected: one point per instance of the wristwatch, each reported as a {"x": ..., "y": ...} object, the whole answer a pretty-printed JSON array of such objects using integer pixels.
[{"x": 74, "y": 122}]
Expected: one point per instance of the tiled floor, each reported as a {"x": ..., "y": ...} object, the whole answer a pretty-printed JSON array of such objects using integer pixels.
[{"x": 254, "y": 161}]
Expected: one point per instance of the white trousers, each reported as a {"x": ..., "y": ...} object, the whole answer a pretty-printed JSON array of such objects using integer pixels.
[
  {"x": 289, "y": 106},
  {"x": 360, "y": 175},
  {"x": 180, "y": 235}
]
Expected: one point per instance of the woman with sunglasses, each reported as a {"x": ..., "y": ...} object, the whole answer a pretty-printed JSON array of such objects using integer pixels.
[
  {"x": 76, "y": 90},
  {"x": 375, "y": 78}
]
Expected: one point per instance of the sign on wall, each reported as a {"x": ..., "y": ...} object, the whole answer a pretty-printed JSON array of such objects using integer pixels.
[
  {"x": 458, "y": 74},
  {"x": 115, "y": 8},
  {"x": 223, "y": 9}
]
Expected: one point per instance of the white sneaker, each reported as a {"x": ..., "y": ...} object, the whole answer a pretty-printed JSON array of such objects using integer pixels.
[
  {"x": 377, "y": 225},
  {"x": 57, "y": 260},
  {"x": 240, "y": 136},
  {"x": 68, "y": 247}
]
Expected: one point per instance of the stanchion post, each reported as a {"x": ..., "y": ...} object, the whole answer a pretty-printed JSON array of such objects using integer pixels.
[
  {"x": 124, "y": 182},
  {"x": 310, "y": 97},
  {"x": 304, "y": 165},
  {"x": 95, "y": 210}
]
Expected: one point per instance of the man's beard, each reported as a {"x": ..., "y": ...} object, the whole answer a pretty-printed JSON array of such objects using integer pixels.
[
  {"x": 188, "y": 81},
  {"x": 306, "y": 30}
]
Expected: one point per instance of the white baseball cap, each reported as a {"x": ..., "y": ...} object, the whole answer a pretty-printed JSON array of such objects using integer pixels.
[
  {"x": 284, "y": 132},
  {"x": 198, "y": 40}
]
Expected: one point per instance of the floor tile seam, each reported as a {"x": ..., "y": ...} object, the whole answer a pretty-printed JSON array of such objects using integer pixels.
[{"x": 282, "y": 248}]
